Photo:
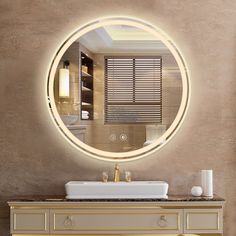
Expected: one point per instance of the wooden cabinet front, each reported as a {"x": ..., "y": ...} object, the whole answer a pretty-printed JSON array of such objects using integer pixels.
[{"x": 116, "y": 221}]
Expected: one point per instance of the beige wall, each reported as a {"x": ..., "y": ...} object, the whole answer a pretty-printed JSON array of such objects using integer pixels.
[
  {"x": 171, "y": 89},
  {"x": 34, "y": 159}
]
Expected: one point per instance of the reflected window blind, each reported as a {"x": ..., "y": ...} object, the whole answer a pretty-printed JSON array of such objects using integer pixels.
[{"x": 133, "y": 89}]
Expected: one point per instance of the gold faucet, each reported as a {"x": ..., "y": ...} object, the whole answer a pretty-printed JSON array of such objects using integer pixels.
[{"x": 117, "y": 173}]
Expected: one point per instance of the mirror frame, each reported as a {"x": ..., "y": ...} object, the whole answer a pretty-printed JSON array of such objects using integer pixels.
[{"x": 118, "y": 156}]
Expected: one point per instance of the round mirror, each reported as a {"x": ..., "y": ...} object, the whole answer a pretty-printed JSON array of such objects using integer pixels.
[{"x": 118, "y": 89}]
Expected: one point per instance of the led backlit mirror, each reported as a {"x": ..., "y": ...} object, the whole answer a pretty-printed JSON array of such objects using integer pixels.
[{"x": 118, "y": 89}]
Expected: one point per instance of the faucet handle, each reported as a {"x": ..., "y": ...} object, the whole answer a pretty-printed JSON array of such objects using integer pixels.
[
  {"x": 105, "y": 176},
  {"x": 128, "y": 176}
]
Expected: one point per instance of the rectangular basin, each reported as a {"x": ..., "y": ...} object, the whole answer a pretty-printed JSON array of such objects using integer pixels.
[{"x": 113, "y": 190}]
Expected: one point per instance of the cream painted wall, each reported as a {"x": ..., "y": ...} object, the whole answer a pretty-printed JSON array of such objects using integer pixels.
[{"x": 34, "y": 159}]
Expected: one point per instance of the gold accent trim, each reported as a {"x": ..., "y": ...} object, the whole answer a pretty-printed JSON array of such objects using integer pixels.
[
  {"x": 200, "y": 213},
  {"x": 118, "y": 205},
  {"x": 29, "y": 229},
  {"x": 212, "y": 234},
  {"x": 105, "y": 208},
  {"x": 117, "y": 213}
]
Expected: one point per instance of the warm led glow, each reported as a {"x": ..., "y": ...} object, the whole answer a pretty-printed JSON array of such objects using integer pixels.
[
  {"x": 64, "y": 83},
  {"x": 119, "y": 156}
]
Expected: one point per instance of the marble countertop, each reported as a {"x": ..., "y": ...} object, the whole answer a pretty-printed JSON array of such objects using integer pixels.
[{"x": 61, "y": 198}]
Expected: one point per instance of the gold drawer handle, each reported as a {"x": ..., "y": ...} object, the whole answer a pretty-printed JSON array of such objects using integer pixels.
[
  {"x": 162, "y": 221},
  {"x": 68, "y": 221}
]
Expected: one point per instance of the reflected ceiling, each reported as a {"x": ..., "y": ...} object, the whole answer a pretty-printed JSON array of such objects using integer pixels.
[{"x": 122, "y": 38}]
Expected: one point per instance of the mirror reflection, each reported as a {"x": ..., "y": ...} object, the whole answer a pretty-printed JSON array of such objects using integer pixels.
[{"x": 118, "y": 88}]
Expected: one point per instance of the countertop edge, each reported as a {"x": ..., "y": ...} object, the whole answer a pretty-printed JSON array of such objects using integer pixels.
[{"x": 62, "y": 199}]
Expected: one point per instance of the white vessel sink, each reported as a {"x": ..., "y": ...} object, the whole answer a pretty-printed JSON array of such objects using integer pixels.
[{"x": 112, "y": 190}]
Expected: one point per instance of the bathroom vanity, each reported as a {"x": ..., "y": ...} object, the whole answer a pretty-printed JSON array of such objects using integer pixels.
[{"x": 177, "y": 215}]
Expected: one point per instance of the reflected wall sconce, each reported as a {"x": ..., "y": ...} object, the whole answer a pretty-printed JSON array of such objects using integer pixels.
[{"x": 64, "y": 80}]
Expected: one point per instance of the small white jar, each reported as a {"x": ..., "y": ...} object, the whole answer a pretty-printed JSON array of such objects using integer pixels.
[{"x": 196, "y": 191}]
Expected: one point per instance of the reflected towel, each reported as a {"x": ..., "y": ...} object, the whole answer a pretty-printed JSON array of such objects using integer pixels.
[
  {"x": 85, "y": 112},
  {"x": 85, "y": 117}
]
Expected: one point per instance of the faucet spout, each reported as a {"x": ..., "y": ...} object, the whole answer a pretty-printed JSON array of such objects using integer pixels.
[{"x": 117, "y": 173}]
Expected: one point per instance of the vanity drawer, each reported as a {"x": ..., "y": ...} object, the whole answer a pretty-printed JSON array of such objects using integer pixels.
[
  {"x": 30, "y": 221},
  {"x": 203, "y": 221},
  {"x": 116, "y": 221}
]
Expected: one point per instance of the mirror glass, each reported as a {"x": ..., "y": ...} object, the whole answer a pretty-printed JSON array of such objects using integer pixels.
[{"x": 117, "y": 89}]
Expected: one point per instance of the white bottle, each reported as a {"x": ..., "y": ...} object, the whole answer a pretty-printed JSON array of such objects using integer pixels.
[{"x": 207, "y": 183}]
